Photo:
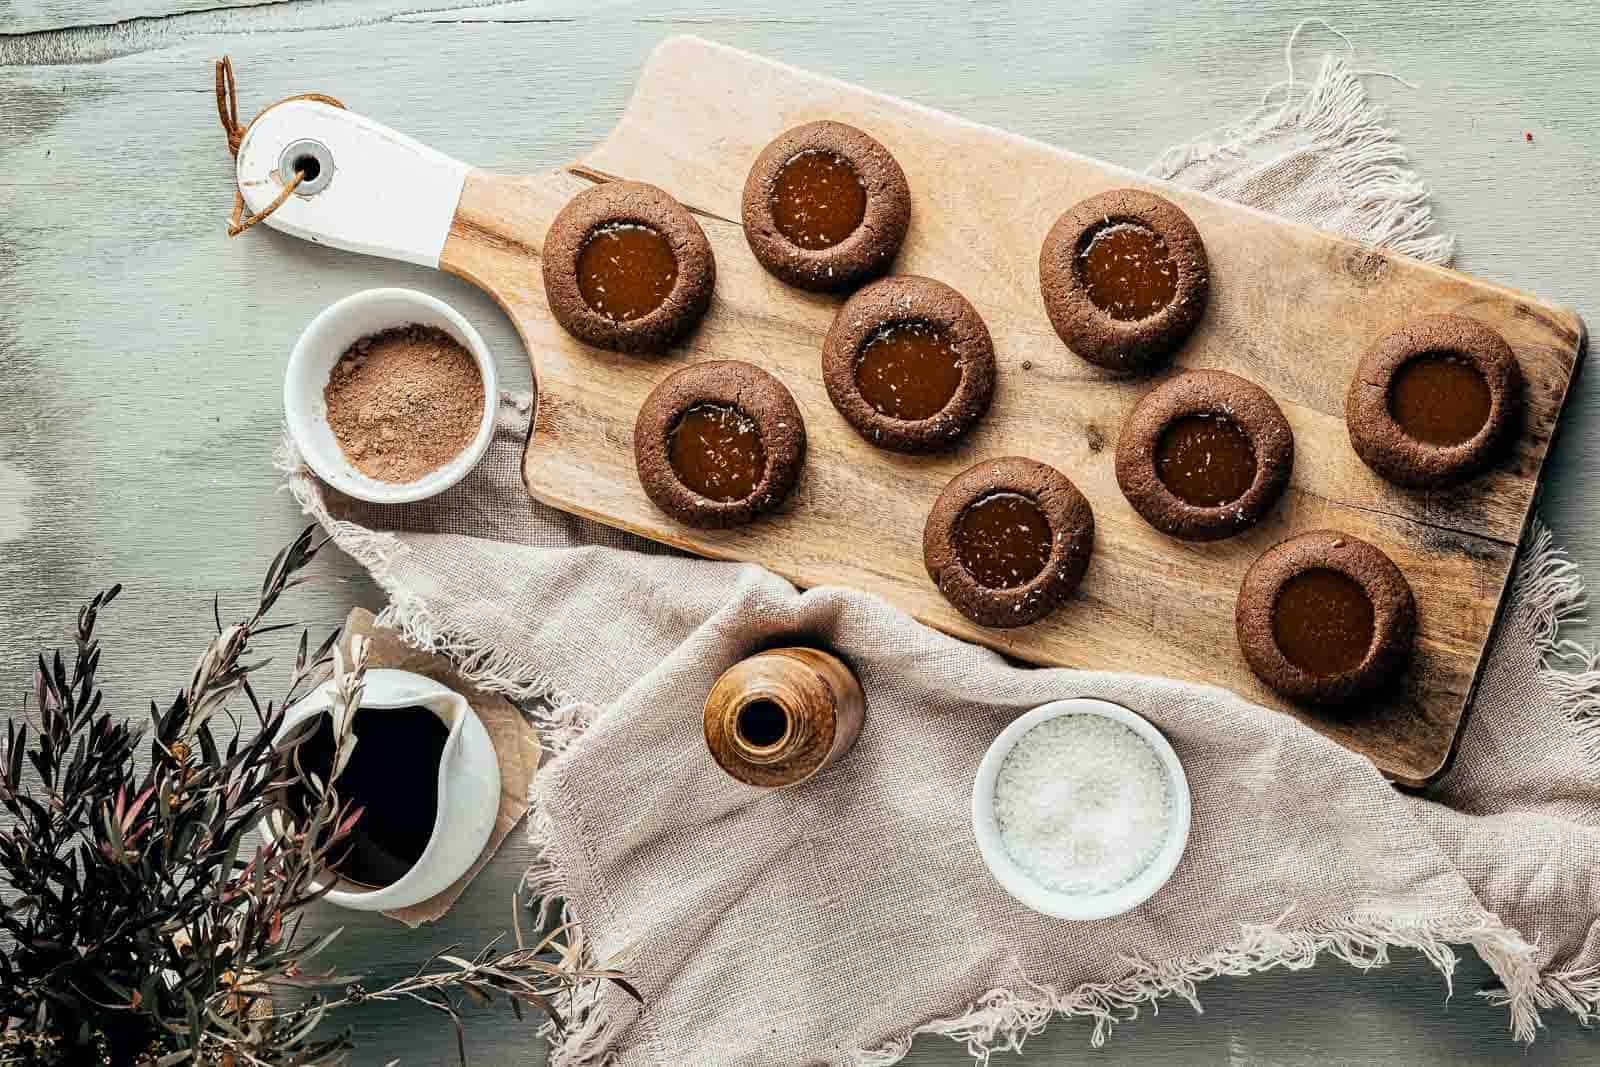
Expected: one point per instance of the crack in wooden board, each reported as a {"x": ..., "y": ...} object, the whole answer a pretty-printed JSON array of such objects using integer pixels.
[{"x": 1292, "y": 308}]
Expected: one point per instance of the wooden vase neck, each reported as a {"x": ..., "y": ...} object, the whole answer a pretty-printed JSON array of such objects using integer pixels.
[{"x": 779, "y": 717}]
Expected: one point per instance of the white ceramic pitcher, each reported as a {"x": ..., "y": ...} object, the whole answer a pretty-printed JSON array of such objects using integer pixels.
[{"x": 469, "y": 786}]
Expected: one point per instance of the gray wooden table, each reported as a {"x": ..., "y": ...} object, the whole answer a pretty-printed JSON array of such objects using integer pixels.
[{"x": 141, "y": 352}]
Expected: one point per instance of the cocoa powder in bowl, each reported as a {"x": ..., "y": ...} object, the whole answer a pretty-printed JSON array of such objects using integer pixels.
[{"x": 404, "y": 402}]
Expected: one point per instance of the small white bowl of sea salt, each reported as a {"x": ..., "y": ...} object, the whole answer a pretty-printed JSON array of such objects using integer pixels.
[{"x": 1081, "y": 809}]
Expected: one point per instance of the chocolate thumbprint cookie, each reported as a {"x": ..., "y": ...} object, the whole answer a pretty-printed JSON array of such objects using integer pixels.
[
  {"x": 1435, "y": 402},
  {"x": 1125, "y": 279},
  {"x": 719, "y": 443},
  {"x": 909, "y": 363},
  {"x": 1008, "y": 540},
  {"x": 626, "y": 267},
  {"x": 825, "y": 207},
  {"x": 1325, "y": 618},
  {"x": 1204, "y": 455}
]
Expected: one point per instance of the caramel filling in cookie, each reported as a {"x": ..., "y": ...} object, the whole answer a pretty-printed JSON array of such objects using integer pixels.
[
  {"x": 716, "y": 451},
  {"x": 1439, "y": 399},
  {"x": 1323, "y": 622},
  {"x": 818, "y": 200},
  {"x": 1127, "y": 270},
  {"x": 908, "y": 370},
  {"x": 1003, "y": 540},
  {"x": 1206, "y": 460},
  {"x": 625, "y": 270}
]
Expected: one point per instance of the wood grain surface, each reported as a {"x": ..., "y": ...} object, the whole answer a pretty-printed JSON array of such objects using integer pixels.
[
  {"x": 142, "y": 353},
  {"x": 1291, "y": 308}
]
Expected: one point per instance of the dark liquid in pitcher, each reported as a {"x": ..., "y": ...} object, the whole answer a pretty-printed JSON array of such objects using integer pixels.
[{"x": 393, "y": 775}]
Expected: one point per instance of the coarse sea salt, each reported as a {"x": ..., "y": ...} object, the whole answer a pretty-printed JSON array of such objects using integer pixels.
[{"x": 1082, "y": 803}]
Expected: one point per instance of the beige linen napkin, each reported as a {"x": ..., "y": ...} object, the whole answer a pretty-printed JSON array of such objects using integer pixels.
[{"x": 834, "y": 921}]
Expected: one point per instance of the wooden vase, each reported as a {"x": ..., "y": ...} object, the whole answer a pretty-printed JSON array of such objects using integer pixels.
[{"x": 779, "y": 717}]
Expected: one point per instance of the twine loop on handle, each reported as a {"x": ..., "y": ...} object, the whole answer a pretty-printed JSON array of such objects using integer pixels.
[{"x": 228, "y": 114}]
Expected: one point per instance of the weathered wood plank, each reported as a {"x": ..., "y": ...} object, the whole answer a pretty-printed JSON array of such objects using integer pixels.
[
  {"x": 77, "y": 30},
  {"x": 38, "y": 16},
  {"x": 141, "y": 352}
]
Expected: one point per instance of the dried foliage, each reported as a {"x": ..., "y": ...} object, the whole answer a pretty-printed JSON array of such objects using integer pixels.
[{"x": 134, "y": 928}]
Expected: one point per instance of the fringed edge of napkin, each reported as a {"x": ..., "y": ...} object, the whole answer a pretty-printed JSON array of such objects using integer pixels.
[
  {"x": 586, "y": 1010},
  {"x": 1002, "y": 1020},
  {"x": 489, "y": 668},
  {"x": 1552, "y": 594},
  {"x": 1346, "y": 125}
]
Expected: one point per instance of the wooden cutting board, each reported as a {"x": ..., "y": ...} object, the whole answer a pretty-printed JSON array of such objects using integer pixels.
[{"x": 1291, "y": 308}]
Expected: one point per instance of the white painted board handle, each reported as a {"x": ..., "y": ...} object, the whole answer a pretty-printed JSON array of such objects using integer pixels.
[{"x": 375, "y": 191}]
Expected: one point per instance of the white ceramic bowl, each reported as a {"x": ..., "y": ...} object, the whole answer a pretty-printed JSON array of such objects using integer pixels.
[
  {"x": 1021, "y": 885},
  {"x": 469, "y": 787},
  {"x": 327, "y": 338}
]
